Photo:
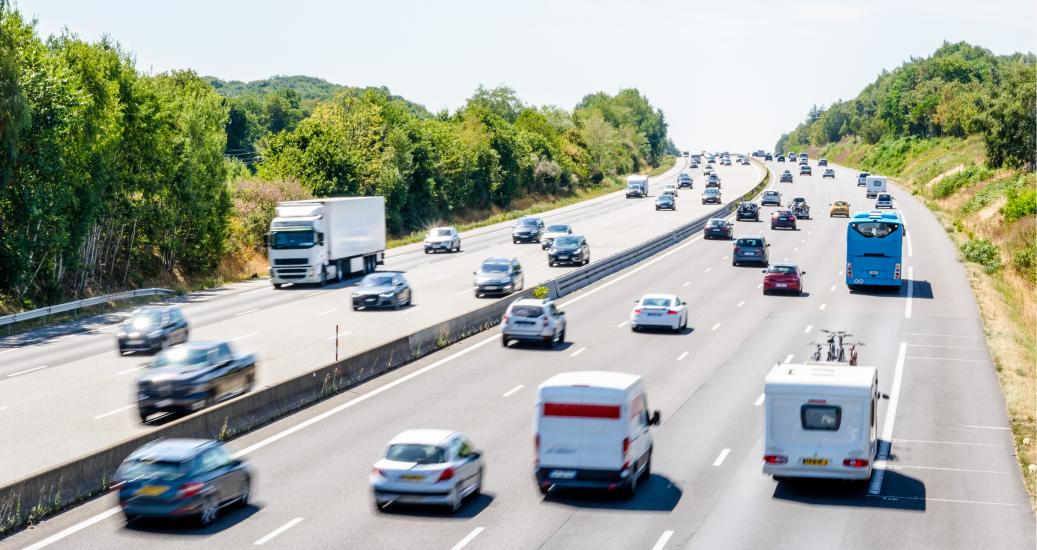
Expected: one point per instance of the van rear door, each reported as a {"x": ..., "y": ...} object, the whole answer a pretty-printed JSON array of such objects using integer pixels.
[{"x": 577, "y": 431}]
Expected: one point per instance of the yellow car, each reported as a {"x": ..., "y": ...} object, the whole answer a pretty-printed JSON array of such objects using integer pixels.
[{"x": 839, "y": 208}]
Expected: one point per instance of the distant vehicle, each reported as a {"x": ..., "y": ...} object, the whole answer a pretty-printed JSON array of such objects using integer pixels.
[
  {"x": 884, "y": 200},
  {"x": 554, "y": 231},
  {"x": 713, "y": 181},
  {"x": 874, "y": 249},
  {"x": 708, "y": 171},
  {"x": 819, "y": 421},
  {"x": 670, "y": 189},
  {"x": 194, "y": 376},
  {"x": 822, "y": 162},
  {"x": 781, "y": 158},
  {"x": 751, "y": 250},
  {"x": 791, "y": 156},
  {"x": 786, "y": 177},
  {"x": 152, "y": 328},
  {"x": 381, "y": 290},
  {"x": 862, "y": 179},
  {"x": 174, "y": 478},
  {"x": 711, "y": 195},
  {"x": 665, "y": 202},
  {"x": 768, "y": 156},
  {"x": 828, "y": 173},
  {"x": 569, "y": 249},
  {"x": 684, "y": 153},
  {"x": 770, "y": 197},
  {"x": 804, "y": 170},
  {"x": 685, "y": 180},
  {"x": 748, "y": 211},
  {"x": 533, "y": 320},
  {"x": 659, "y": 310},
  {"x": 637, "y": 186},
  {"x": 591, "y": 431},
  {"x": 783, "y": 277},
  {"x": 498, "y": 276},
  {"x": 758, "y": 153},
  {"x": 839, "y": 208},
  {"x": 434, "y": 467},
  {"x": 783, "y": 218},
  {"x": 725, "y": 161},
  {"x": 875, "y": 185},
  {"x": 719, "y": 228},
  {"x": 800, "y": 208},
  {"x": 693, "y": 164},
  {"x": 320, "y": 240},
  {"x": 803, "y": 156},
  {"x": 445, "y": 239},
  {"x": 744, "y": 161},
  {"x": 529, "y": 229},
  {"x": 804, "y": 162}
]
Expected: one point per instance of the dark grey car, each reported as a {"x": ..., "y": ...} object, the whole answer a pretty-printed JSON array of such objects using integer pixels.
[
  {"x": 498, "y": 276},
  {"x": 383, "y": 289},
  {"x": 193, "y": 376},
  {"x": 528, "y": 230},
  {"x": 751, "y": 250},
  {"x": 152, "y": 328},
  {"x": 665, "y": 202},
  {"x": 570, "y": 249}
]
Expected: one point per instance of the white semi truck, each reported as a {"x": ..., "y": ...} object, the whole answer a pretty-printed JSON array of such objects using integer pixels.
[{"x": 319, "y": 240}]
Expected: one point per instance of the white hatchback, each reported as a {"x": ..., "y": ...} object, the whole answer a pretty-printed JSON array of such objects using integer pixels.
[
  {"x": 437, "y": 467},
  {"x": 659, "y": 310},
  {"x": 670, "y": 188}
]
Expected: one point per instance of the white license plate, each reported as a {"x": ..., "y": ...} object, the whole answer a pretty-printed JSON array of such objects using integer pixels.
[
  {"x": 563, "y": 474},
  {"x": 490, "y": 287},
  {"x": 164, "y": 403},
  {"x": 781, "y": 285},
  {"x": 135, "y": 342},
  {"x": 873, "y": 273},
  {"x": 655, "y": 314}
]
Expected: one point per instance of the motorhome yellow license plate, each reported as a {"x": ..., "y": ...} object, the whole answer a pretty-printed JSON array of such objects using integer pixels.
[{"x": 815, "y": 462}]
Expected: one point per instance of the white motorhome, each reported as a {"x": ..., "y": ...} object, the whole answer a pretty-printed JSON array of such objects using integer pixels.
[
  {"x": 875, "y": 185},
  {"x": 637, "y": 186},
  {"x": 315, "y": 241},
  {"x": 819, "y": 421},
  {"x": 591, "y": 431}
]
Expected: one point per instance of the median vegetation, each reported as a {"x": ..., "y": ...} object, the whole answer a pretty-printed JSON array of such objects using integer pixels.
[
  {"x": 111, "y": 178},
  {"x": 958, "y": 130}
]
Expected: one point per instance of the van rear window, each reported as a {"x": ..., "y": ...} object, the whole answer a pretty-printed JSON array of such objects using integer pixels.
[
  {"x": 581, "y": 410},
  {"x": 821, "y": 417}
]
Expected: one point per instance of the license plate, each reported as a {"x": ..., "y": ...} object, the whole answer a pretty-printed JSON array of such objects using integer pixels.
[
  {"x": 135, "y": 342},
  {"x": 563, "y": 474},
  {"x": 524, "y": 322},
  {"x": 655, "y": 314},
  {"x": 490, "y": 287},
  {"x": 152, "y": 490},
  {"x": 411, "y": 477},
  {"x": 164, "y": 403},
  {"x": 370, "y": 299},
  {"x": 781, "y": 285},
  {"x": 750, "y": 253},
  {"x": 563, "y": 257},
  {"x": 815, "y": 462}
]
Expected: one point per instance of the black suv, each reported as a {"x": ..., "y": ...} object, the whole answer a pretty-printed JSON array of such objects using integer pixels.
[
  {"x": 804, "y": 170},
  {"x": 193, "y": 376},
  {"x": 719, "y": 228},
  {"x": 748, "y": 211},
  {"x": 152, "y": 328},
  {"x": 768, "y": 156},
  {"x": 498, "y": 276},
  {"x": 570, "y": 249},
  {"x": 528, "y": 230}
]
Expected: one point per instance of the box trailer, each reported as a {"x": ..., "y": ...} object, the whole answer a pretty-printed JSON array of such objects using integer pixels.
[{"x": 637, "y": 186}]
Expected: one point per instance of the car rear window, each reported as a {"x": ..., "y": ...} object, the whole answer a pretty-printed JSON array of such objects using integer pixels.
[
  {"x": 655, "y": 302},
  {"x": 717, "y": 223},
  {"x": 495, "y": 267},
  {"x": 821, "y": 417},
  {"x": 150, "y": 468},
  {"x": 557, "y": 228},
  {"x": 527, "y": 311},
  {"x": 874, "y": 229},
  {"x": 749, "y": 242},
  {"x": 412, "y": 452},
  {"x": 781, "y": 269},
  {"x": 527, "y": 221}
]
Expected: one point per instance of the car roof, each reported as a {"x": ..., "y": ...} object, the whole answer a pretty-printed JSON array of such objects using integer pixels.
[
  {"x": 423, "y": 437},
  {"x": 145, "y": 309},
  {"x": 498, "y": 259},
  {"x": 201, "y": 344},
  {"x": 751, "y": 237},
  {"x": 175, "y": 449},
  {"x": 530, "y": 302},
  {"x": 442, "y": 227},
  {"x": 660, "y": 295}
]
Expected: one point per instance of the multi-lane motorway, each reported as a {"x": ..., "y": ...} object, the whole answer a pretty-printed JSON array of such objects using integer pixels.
[{"x": 951, "y": 481}]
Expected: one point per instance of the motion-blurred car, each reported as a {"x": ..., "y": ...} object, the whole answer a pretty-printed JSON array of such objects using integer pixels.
[
  {"x": 750, "y": 250},
  {"x": 174, "y": 478},
  {"x": 193, "y": 376},
  {"x": 498, "y": 276},
  {"x": 532, "y": 320},
  {"x": 783, "y": 218},
  {"x": 804, "y": 170},
  {"x": 770, "y": 198},
  {"x": 445, "y": 239},
  {"x": 665, "y": 202},
  {"x": 748, "y": 211},
  {"x": 570, "y": 249},
  {"x": 435, "y": 467},
  {"x": 822, "y": 162},
  {"x": 828, "y": 173},
  {"x": 718, "y": 228},
  {"x": 783, "y": 277},
  {"x": 553, "y": 232},
  {"x": 786, "y": 177},
  {"x": 527, "y": 230},
  {"x": 670, "y": 189},
  {"x": 711, "y": 195},
  {"x": 382, "y": 289},
  {"x": 800, "y": 208},
  {"x": 862, "y": 179},
  {"x": 152, "y": 328},
  {"x": 884, "y": 200},
  {"x": 839, "y": 208},
  {"x": 659, "y": 310}
]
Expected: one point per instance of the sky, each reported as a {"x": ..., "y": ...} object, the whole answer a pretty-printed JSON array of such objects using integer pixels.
[{"x": 728, "y": 75}]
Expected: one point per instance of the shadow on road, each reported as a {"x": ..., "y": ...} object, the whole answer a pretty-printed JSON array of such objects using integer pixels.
[
  {"x": 473, "y": 506},
  {"x": 229, "y": 517},
  {"x": 656, "y": 494},
  {"x": 899, "y": 492},
  {"x": 922, "y": 290}
]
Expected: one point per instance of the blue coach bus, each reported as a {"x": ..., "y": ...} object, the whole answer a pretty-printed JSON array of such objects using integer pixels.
[{"x": 874, "y": 249}]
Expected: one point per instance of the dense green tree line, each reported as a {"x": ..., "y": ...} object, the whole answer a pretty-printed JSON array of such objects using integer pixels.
[{"x": 960, "y": 90}]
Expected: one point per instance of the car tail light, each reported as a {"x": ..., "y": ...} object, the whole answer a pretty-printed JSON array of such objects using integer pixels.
[
  {"x": 506, "y": 318},
  {"x": 738, "y": 250},
  {"x": 896, "y": 271},
  {"x": 189, "y": 489},
  {"x": 447, "y": 474},
  {"x": 855, "y": 463},
  {"x": 849, "y": 269},
  {"x": 377, "y": 472},
  {"x": 671, "y": 312},
  {"x": 637, "y": 311},
  {"x": 775, "y": 459}
]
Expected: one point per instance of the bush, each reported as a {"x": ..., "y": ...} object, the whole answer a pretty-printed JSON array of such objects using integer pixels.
[
  {"x": 952, "y": 183},
  {"x": 982, "y": 252},
  {"x": 1020, "y": 205},
  {"x": 1024, "y": 260}
]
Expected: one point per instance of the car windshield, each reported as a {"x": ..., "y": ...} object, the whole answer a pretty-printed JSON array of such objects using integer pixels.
[
  {"x": 749, "y": 242},
  {"x": 716, "y": 222},
  {"x": 494, "y": 267},
  {"x": 841, "y": 203},
  {"x": 884, "y": 197},
  {"x": 567, "y": 241},
  {"x": 280, "y": 240},
  {"x": 655, "y": 302},
  {"x": 874, "y": 229},
  {"x": 527, "y": 311},
  {"x": 771, "y": 193},
  {"x": 711, "y": 191},
  {"x": 144, "y": 319},
  {"x": 182, "y": 357},
  {"x": 665, "y": 197},
  {"x": 781, "y": 269},
  {"x": 377, "y": 280},
  {"x": 557, "y": 228},
  {"x": 527, "y": 221},
  {"x": 147, "y": 468},
  {"x": 746, "y": 206},
  {"x": 439, "y": 233},
  {"x": 783, "y": 213},
  {"x": 413, "y": 452}
]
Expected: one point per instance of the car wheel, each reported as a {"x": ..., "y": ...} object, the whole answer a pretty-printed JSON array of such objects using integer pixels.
[
  {"x": 631, "y": 488},
  {"x": 323, "y": 277},
  {"x": 504, "y": 341},
  {"x": 210, "y": 400},
  {"x": 735, "y": 264},
  {"x": 249, "y": 382},
  {"x": 544, "y": 489},
  {"x": 455, "y": 501},
  {"x": 355, "y": 308},
  {"x": 427, "y": 251},
  {"x": 210, "y": 509},
  {"x": 277, "y": 286},
  {"x": 561, "y": 337},
  {"x": 477, "y": 294},
  {"x": 164, "y": 345},
  {"x": 246, "y": 494},
  {"x": 144, "y": 416}
]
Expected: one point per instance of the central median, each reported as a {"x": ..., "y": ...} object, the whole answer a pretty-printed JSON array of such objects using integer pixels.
[{"x": 30, "y": 499}]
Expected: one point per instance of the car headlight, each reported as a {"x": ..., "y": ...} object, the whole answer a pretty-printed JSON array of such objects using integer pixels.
[{"x": 389, "y": 294}]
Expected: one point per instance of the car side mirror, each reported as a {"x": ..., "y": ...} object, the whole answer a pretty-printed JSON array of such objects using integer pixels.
[
  {"x": 768, "y": 244},
  {"x": 803, "y": 273},
  {"x": 763, "y": 271},
  {"x": 561, "y": 314},
  {"x": 656, "y": 419},
  {"x": 474, "y": 455}
]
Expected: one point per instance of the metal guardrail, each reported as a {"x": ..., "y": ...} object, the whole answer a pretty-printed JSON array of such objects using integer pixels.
[{"x": 79, "y": 304}]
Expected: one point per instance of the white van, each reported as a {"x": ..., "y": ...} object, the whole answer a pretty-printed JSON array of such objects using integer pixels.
[
  {"x": 592, "y": 432},
  {"x": 819, "y": 421},
  {"x": 875, "y": 185}
]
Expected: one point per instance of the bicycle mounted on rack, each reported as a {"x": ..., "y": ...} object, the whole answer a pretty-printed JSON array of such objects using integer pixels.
[{"x": 836, "y": 348}]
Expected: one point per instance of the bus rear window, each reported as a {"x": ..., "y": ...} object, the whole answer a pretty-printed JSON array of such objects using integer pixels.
[
  {"x": 874, "y": 229},
  {"x": 821, "y": 417}
]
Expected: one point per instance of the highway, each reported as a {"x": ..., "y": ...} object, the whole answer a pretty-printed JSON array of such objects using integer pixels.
[
  {"x": 76, "y": 387},
  {"x": 951, "y": 482}
]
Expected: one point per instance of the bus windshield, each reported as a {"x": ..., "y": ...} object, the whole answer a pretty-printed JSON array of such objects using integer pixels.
[{"x": 874, "y": 229}]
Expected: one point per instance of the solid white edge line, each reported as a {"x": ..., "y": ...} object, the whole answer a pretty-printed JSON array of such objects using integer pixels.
[
  {"x": 471, "y": 536},
  {"x": 579, "y": 351},
  {"x": 987, "y": 427},
  {"x": 740, "y": 304},
  {"x": 910, "y": 249},
  {"x": 116, "y": 411},
  {"x": 910, "y": 292},
  {"x": 277, "y": 531},
  {"x": 341, "y": 334},
  {"x": 875, "y": 487},
  {"x": 720, "y": 458},
  {"x": 327, "y": 311},
  {"x": 512, "y": 390},
  {"x": 759, "y": 400},
  {"x": 823, "y": 306},
  {"x": 623, "y": 324},
  {"x": 243, "y": 336},
  {"x": 663, "y": 539},
  {"x": 26, "y": 371},
  {"x": 134, "y": 369},
  {"x": 682, "y": 356},
  {"x": 246, "y": 312},
  {"x": 60, "y": 535}
]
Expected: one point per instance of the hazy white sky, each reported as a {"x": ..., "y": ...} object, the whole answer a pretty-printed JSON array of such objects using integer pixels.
[{"x": 729, "y": 75}]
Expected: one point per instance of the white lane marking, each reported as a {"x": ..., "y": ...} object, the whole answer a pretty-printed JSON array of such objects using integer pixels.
[
  {"x": 579, "y": 351},
  {"x": 788, "y": 358},
  {"x": 708, "y": 269},
  {"x": 740, "y": 304},
  {"x": 254, "y": 291},
  {"x": 682, "y": 356},
  {"x": 947, "y": 359},
  {"x": 69, "y": 531},
  {"x": 471, "y": 536},
  {"x": 441, "y": 277},
  {"x": 127, "y": 371},
  {"x": 327, "y": 311},
  {"x": 795, "y": 249},
  {"x": 875, "y": 487},
  {"x": 716, "y": 326},
  {"x": 686, "y": 284},
  {"x": 833, "y": 288},
  {"x": 645, "y": 265},
  {"x": 840, "y": 273},
  {"x": 966, "y": 470},
  {"x": 786, "y": 259},
  {"x": 277, "y": 531},
  {"x": 987, "y": 427},
  {"x": 808, "y": 329},
  {"x": 663, "y": 539},
  {"x": 244, "y": 336},
  {"x": 724, "y": 258},
  {"x": 465, "y": 290},
  {"x": 823, "y": 306},
  {"x": 955, "y": 500},
  {"x": 26, "y": 371},
  {"x": 424, "y": 264},
  {"x": 910, "y": 249},
  {"x": 721, "y": 457},
  {"x": 512, "y": 390},
  {"x": 623, "y": 324},
  {"x": 246, "y": 312},
  {"x": 9, "y": 351},
  {"x": 411, "y": 309},
  {"x": 959, "y": 443},
  {"x": 803, "y": 240},
  {"x": 759, "y": 400},
  {"x": 910, "y": 292},
  {"x": 116, "y": 411},
  {"x": 943, "y": 335},
  {"x": 759, "y": 285},
  {"x": 310, "y": 295},
  {"x": 341, "y": 334}
]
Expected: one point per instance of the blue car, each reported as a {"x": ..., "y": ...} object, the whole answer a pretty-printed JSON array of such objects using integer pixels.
[{"x": 175, "y": 478}]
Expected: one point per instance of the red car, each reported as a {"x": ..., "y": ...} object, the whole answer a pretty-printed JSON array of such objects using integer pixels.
[
  {"x": 783, "y": 218},
  {"x": 783, "y": 278}
]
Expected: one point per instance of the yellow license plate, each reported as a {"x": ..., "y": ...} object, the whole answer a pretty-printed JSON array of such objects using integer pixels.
[
  {"x": 152, "y": 490},
  {"x": 412, "y": 478},
  {"x": 815, "y": 462}
]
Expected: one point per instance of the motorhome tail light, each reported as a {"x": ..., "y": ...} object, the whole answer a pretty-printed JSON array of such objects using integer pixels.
[
  {"x": 447, "y": 474},
  {"x": 855, "y": 463},
  {"x": 189, "y": 489},
  {"x": 849, "y": 269},
  {"x": 896, "y": 271},
  {"x": 775, "y": 459}
]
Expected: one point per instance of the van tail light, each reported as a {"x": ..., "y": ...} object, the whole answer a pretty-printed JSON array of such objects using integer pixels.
[
  {"x": 775, "y": 459},
  {"x": 896, "y": 271},
  {"x": 189, "y": 489},
  {"x": 447, "y": 474},
  {"x": 626, "y": 445},
  {"x": 855, "y": 463},
  {"x": 849, "y": 269}
]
